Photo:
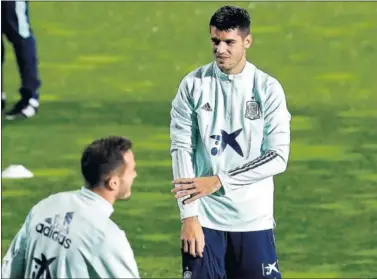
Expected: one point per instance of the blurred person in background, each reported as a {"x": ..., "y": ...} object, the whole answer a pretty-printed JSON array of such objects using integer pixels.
[{"x": 15, "y": 26}]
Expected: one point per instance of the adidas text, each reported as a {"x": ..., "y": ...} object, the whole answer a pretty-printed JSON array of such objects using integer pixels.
[{"x": 54, "y": 235}]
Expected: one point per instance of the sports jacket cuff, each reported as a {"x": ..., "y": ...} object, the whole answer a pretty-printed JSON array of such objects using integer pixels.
[{"x": 189, "y": 210}]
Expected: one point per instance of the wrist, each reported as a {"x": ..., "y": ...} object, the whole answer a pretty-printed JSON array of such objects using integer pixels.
[
  {"x": 222, "y": 176},
  {"x": 218, "y": 183},
  {"x": 189, "y": 219}
]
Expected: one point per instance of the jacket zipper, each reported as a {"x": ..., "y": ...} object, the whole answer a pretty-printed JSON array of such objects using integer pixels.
[{"x": 230, "y": 97}]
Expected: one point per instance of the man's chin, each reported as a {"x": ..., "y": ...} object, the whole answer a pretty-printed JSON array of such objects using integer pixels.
[
  {"x": 124, "y": 197},
  {"x": 223, "y": 67}
]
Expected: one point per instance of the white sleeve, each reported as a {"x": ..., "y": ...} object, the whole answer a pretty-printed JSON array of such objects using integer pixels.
[
  {"x": 13, "y": 265},
  {"x": 275, "y": 147},
  {"x": 183, "y": 131},
  {"x": 115, "y": 258}
]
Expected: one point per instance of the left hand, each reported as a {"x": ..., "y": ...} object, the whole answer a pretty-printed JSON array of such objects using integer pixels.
[{"x": 196, "y": 187}]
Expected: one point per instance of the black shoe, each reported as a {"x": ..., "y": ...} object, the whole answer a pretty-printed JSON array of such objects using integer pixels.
[
  {"x": 3, "y": 99},
  {"x": 24, "y": 108}
]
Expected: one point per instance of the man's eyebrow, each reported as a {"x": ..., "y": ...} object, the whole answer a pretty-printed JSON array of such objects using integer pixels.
[{"x": 226, "y": 40}]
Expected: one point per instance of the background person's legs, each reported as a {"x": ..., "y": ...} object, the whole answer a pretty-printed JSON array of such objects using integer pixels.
[{"x": 16, "y": 27}]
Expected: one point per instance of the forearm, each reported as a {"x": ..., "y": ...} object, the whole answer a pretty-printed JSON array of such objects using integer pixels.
[
  {"x": 269, "y": 164},
  {"x": 183, "y": 168}
]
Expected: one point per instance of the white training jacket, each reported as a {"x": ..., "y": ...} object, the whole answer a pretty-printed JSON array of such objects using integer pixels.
[
  {"x": 70, "y": 235},
  {"x": 235, "y": 126}
]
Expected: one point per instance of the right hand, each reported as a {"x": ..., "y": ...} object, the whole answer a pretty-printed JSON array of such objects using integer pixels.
[{"x": 192, "y": 237}]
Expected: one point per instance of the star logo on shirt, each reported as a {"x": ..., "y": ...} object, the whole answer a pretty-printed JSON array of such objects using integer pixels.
[
  {"x": 42, "y": 266},
  {"x": 225, "y": 139}
]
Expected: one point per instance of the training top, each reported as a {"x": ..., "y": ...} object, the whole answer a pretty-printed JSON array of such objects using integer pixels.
[
  {"x": 236, "y": 127},
  {"x": 70, "y": 235}
]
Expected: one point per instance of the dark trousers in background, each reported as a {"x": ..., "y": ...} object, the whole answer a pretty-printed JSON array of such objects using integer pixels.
[{"x": 15, "y": 25}]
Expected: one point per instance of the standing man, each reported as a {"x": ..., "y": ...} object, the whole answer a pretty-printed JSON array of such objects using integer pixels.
[
  {"x": 230, "y": 134},
  {"x": 70, "y": 234},
  {"x": 15, "y": 25}
]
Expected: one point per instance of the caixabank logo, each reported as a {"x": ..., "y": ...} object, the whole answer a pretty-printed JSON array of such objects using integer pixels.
[
  {"x": 57, "y": 229},
  {"x": 225, "y": 139}
]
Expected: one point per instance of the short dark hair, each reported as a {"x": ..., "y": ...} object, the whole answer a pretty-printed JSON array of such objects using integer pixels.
[
  {"x": 231, "y": 18},
  {"x": 103, "y": 157}
]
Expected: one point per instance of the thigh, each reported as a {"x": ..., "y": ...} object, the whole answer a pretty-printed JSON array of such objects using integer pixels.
[
  {"x": 212, "y": 264},
  {"x": 252, "y": 255}
]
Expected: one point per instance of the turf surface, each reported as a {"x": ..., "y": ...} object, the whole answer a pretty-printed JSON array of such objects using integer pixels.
[{"x": 113, "y": 68}]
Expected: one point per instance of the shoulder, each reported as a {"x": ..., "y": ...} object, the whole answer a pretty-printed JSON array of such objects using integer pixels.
[
  {"x": 266, "y": 83},
  {"x": 54, "y": 200},
  {"x": 198, "y": 74},
  {"x": 115, "y": 238},
  {"x": 112, "y": 230},
  {"x": 265, "y": 78}
]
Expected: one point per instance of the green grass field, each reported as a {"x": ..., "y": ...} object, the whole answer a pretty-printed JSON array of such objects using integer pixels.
[{"x": 113, "y": 68}]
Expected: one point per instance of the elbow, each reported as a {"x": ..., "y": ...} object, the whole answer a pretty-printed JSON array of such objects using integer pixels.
[
  {"x": 181, "y": 146},
  {"x": 180, "y": 150},
  {"x": 282, "y": 165}
]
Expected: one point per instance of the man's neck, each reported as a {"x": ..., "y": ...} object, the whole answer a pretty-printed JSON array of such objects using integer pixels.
[{"x": 104, "y": 194}]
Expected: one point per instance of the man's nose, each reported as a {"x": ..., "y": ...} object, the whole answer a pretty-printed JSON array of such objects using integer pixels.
[{"x": 221, "y": 47}]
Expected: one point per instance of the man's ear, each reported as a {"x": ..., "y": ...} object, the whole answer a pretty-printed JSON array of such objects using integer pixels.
[
  {"x": 113, "y": 182},
  {"x": 248, "y": 41}
]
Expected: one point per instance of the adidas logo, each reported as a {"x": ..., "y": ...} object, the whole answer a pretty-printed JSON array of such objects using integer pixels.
[
  {"x": 56, "y": 236},
  {"x": 49, "y": 231},
  {"x": 207, "y": 107}
]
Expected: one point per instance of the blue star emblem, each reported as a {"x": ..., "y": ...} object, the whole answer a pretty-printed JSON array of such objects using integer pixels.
[{"x": 226, "y": 139}]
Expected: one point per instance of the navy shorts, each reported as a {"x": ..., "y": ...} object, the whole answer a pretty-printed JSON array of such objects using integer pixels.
[{"x": 234, "y": 255}]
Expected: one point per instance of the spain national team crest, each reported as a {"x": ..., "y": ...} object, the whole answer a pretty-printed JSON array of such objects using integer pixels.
[{"x": 252, "y": 110}]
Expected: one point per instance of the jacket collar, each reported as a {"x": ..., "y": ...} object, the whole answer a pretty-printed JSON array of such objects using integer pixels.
[
  {"x": 247, "y": 71},
  {"x": 97, "y": 201}
]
